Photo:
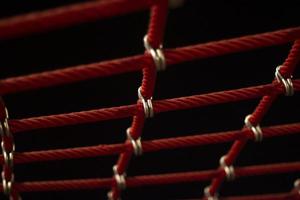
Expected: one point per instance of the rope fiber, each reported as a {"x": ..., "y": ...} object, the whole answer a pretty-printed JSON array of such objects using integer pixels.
[{"x": 152, "y": 60}]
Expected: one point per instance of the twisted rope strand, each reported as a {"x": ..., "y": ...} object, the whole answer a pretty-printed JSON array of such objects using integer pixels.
[
  {"x": 66, "y": 16},
  {"x": 134, "y": 63},
  {"x": 153, "y": 145},
  {"x": 161, "y": 179},
  {"x": 256, "y": 118},
  {"x": 275, "y": 196},
  {"x": 195, "y": 101},
  {"x": 155, "y": 36},
  {"x": 90, "y": 11}
]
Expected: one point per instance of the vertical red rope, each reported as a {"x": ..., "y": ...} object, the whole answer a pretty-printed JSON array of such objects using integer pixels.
[
  {"x": 155, "y": 36},
  {"x": 257, "y": 116},
  {"x": 157, "y": 23}
]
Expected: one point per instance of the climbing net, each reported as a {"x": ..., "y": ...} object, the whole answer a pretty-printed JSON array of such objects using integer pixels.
[{"x": 155, "y": 59}]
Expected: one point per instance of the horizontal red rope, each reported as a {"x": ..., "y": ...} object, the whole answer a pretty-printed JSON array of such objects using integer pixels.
[
  {"x": 161, "y": 179},
  {"x": 65, "y": 16},
  {"x": 159, "y": 106},
  {"x": 151, "y": 146},
  {"x": 134, "y": 63},
  {"x": 278, "y": 196}
]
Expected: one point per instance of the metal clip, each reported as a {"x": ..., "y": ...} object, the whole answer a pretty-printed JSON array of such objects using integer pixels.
[
  {"x": 258, "y": 134},
  {"x": 229, "y": 170},
  {"x": 120, "y": 178},
  {"x": 136, "y": 144},
  {"x": 147, "y": 105},
  {"x": 208, "y": 195},
  {"x": 157, "y": 55},
  {"x": 287, "y": 83}
]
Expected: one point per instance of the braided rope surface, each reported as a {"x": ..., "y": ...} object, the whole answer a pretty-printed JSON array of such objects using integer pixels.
[{"x": 123, "y": 148}]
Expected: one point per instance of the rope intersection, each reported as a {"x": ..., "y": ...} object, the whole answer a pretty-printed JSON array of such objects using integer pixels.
[{"x": 154, "y": 59}]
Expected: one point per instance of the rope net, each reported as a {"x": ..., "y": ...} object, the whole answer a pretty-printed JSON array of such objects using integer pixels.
[{"x": 154, "y": 59}]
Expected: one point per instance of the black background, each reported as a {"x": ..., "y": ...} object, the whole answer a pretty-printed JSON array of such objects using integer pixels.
[{"x": 195, "y": 22}]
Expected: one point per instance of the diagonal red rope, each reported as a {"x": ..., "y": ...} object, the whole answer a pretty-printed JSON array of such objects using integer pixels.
[
  {"x": 134, "y": 63},
  {"x": 256, "y": 118}
]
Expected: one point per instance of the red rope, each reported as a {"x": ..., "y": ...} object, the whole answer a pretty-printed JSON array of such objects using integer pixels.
[
  {"x": 276, "y": 196},
  {"x": 256, "y": 117},
  {"x": 153, "y": 145},
  {"x": 195, "y": 101},
  {"x": 91, "y": 11},
  {"x": 134, "y": 63},
  {"x": 161, "y": 179},
  {"x": 154, "y": 36},
  {"x": 65, "y": 16}
]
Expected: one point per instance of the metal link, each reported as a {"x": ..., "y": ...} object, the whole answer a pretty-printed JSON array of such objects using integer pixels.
[
  {"x": 297, "y": 185},
  {"x": 110, "y": 196},
  {"x": 157, "y": 55},
  {"x": 208, "y": 195},
  {"x": 7, "y": 185},
  {"x": 258, "y": 134},
  {"x": 120, "y": 178},
  {"x": 8, "y": 156},
  {"x": 147, "y": 105},
  {"x": 136, "y": 144},
  {"x": 229, "y": 170},
  {"x": 287, "y": 83}
]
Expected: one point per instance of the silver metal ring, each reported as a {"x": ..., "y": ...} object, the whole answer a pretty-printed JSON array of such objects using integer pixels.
[
  {"x": 229, "y": 170},
  {"x": 4, "y": 128},
  {"x": 147, "y": 105},
  {"x": 208, "y": 195},
  {"x": 297, "y": 185},
  {"x": 109, "y": 195},
  {"x": 8, "y": 155},
  {"x": 287, "y": 83},
  {"x": 157, "y": 55},
  {"x": 258, "y": 134},
  {"x": 120, "y": 178},
  {"x": 12, "y": 198},
  {"x": 7, "y": 184},
  {"x": 8, "y": 158},
  {"x": 136, "y": 144}
]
